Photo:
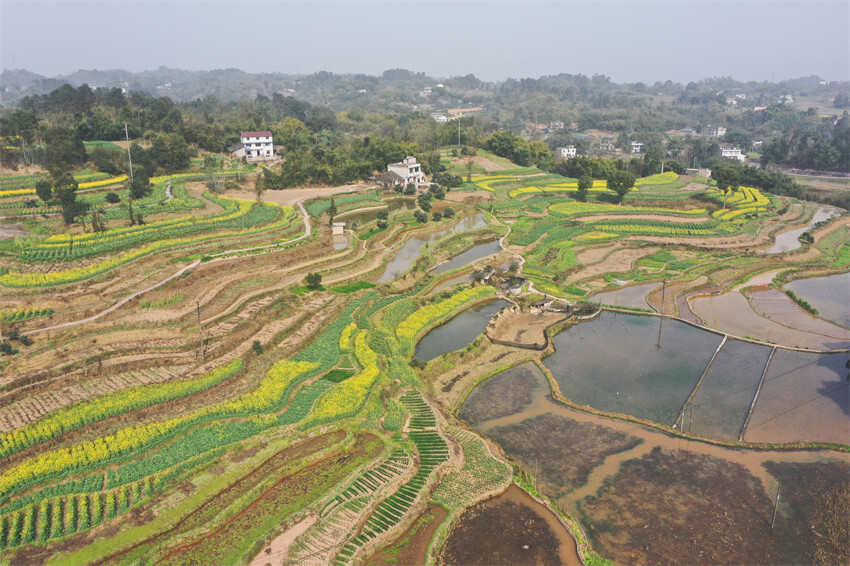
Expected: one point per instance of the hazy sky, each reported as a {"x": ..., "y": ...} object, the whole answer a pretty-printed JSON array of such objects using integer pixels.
[{"x": 628, "y": 41}]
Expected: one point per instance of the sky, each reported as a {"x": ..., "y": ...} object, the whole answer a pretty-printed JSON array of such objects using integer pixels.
[{"x": 628, "y": 41}]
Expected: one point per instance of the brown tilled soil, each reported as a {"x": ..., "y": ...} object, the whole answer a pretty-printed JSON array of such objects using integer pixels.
[
  {"x": 411, "y": 547},
  {"x": 523, "y": 328},
  {"x": 663, "y": 509}
]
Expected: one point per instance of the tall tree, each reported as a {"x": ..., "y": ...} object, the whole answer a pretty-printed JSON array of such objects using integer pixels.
[
  {"x": 585, "y": 183},
  {"x": 65, "y": 189}
]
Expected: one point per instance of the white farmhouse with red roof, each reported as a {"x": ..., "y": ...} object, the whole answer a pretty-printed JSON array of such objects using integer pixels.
[{"x": 255, "y": 146}]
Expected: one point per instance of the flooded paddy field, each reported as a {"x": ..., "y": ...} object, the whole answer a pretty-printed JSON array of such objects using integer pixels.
[
  {"x": 731, "y": 312},
  {"x": 408, "y": 253},
  {"x": 776, "y": 306},
  {"x": 475, "y": 252},
  {"x": 511, "y": 528},
  {"x": 636, "y": 365},
  {"x": 505, "y": 394},
  {"x": 804, "y": 397},
  {"x": 830, "y": 295},
  {"x": 645, "y": 496},
  {"x": 633, "y": 296},
  {"x": 451, "y": 281},
  {"x": 720, "y": 406},
  {"x": 364, "y": 216},
  {"x": 458, "y": 332}
]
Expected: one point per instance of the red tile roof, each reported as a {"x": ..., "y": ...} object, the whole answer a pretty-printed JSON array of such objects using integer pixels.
[{"x": 265, "y": 134}]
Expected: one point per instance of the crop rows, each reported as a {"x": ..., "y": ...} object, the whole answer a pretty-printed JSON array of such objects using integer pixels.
[
  {"x": 421, "y": 414},
  {"x": 73, "y": 275},
  {"x": 63, "y": 516},
  {"x": 429, "y": 315},
  {"x": 433, "y": 452},
  {"x": 24, "y": 314},
  {"x": 347, "y": 398},
  {"x": 659, "y": 228},
  {"x": 570, "y": 209},
  {"x": 481, "y": 473},
  {"x": 66, "y": 246},
  {"x": 346, "y": 511},
  {"x": 371, "y": 480},
  {"x": 76, "y": 416}
]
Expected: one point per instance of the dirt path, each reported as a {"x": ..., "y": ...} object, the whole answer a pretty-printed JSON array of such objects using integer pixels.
[
  {"x": 181, "y": 271},
  {"x": 293, "y": 196},
  {"x": 658, "y": 217}
]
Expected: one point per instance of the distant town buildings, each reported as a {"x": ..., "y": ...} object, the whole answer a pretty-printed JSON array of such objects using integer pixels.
[
  {"x": 732, "y": 152},
  {"x": 425, "y": 91},
  {"x": 565, "y": 152},
  {"x": 439, "y": 117},
  {"x": 637, "y": 147}
]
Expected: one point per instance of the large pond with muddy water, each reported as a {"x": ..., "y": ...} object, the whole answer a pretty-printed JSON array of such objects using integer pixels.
[{"x": 646, "y": 496}]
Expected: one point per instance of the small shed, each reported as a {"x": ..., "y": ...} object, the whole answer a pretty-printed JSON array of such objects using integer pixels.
[
  {"x": 338, "y": 228},
  {"x": 541, "y": 306}
]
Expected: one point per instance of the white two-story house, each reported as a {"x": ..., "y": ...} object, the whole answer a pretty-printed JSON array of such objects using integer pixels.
[
  {"x": 732, "y": 152},
  {"x": 566, "y": 152},
  {"x": 408, "y": 169},
  {"x": 256, "y": 146}
]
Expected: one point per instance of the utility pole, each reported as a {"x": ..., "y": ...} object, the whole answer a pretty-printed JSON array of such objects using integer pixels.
[
  {"x": 200, "y": 331},
  {"x": 129, "y": 158},
  {"x": 458, "y": 132},
  {"x": 663, "y": 289},
  {"x": 775, "y": 506}
]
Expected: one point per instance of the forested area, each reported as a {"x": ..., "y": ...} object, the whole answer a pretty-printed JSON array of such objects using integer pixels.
[{"x": 356, "y": 125}]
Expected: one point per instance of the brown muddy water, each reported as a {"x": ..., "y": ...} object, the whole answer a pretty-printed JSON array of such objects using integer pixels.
[
  {"x": 645, "y": 496},
  {"x": 511, "y": 528}
]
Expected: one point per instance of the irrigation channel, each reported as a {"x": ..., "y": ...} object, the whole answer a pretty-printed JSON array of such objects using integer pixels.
[
  {"x": 411, "y": 249},
  {"x": 789, "y": 241}
]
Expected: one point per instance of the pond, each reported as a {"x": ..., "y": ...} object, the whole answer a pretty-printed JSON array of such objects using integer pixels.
[
  {"x": 450, "y": 281},
  {"x": 804, "y": 397},
  {"x": 361, "y": 217},
  {"x": 788, "y": 241},
  {"x": 830, "y": 295},
  {"x": 408, "y": 253},
  {"x": 720, "y": 406},
  {"x": 633, "y": 296},
  {"x": 470, "y": 255},
  {"x": 643, "y": 366},
  {"x": 639, "y": 491},
  {"x": 458, "y": 332}
]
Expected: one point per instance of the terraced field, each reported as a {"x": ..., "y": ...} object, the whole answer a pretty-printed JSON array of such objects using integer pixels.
[{"x": 173, "y": 392}]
